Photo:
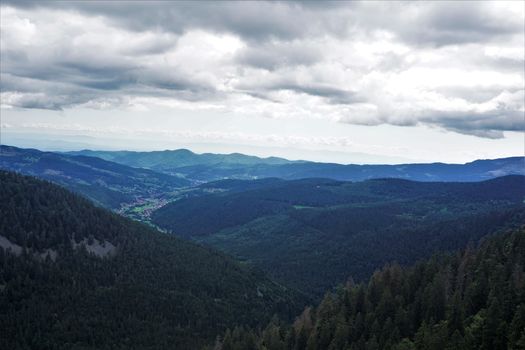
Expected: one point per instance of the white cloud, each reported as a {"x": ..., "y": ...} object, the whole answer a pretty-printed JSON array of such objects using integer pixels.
[{"x": 454, "y": 66}]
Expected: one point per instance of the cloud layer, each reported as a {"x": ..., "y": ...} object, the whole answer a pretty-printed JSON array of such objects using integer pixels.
[{"x": 453, "y": 65}]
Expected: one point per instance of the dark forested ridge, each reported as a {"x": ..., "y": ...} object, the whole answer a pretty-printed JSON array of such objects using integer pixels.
[
  {"x": 470, "y": 300},
  {"x": 315, "y": 233},
  {"x": 106, "y": 183},
  {"x": 209, "y": 167},
  {"x": 74, "y": 276}
]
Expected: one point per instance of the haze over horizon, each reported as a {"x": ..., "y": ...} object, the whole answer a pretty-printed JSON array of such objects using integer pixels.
[{"x": 344, "y": 82}]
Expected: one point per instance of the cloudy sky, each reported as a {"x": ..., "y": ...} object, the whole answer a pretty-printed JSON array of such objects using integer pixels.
[{"x": 333, "y": 81}]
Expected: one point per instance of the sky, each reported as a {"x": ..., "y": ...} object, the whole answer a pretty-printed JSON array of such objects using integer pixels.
[{"x": 348, "y": 82}]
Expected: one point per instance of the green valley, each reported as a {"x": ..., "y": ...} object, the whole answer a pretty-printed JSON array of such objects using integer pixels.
[{"x": 313, "y": 234}]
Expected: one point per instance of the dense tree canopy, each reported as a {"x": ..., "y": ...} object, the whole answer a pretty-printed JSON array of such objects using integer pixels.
[
  {"x": 470, "y": 300},
  {"x": 312, "y": 234},
  {"x": 155, "y": 292}
]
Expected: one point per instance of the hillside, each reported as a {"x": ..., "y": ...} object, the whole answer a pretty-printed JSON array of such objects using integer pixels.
[
  {"x": 478, "y": 170},
  {"x": 171, "y": 159},
  {"x": 470, "y": 300},
  {"x": 211, "y": 167},
  {"x": 314, "y": 233},
  {"x": 76, "y": 276},
  {"x": 106, "y": 183}
]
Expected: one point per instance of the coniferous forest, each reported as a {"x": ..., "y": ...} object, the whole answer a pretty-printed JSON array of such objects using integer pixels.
[
  {"x": 313, "y": 234},
  {"x": 474, "y": 299},
  {"x": 74, "y": 276}
]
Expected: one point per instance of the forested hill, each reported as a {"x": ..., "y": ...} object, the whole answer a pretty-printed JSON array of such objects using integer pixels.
[
  {"x": 314, "y": 233},
  {"x": 170, "y": 159},
  {"x": 75, "y": 276},
  {"x": 106, "y": 183},
  {"x": 471, "y": 300}
]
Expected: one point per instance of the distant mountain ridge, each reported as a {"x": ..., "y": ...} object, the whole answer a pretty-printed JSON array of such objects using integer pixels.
[
  {"x": 136, "y": 183},
  {"x": 107, "y": 183},
  {"x": 178, "y": 158},
  {"x": 210, "y": 167}
]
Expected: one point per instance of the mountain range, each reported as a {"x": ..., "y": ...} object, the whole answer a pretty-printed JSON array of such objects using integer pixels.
[
  {"x": 247, "y": 243},
  {"x": 108, "y": 184},
  {"x": 209, "y": 167},
  {"x": 137, "y": 183}
]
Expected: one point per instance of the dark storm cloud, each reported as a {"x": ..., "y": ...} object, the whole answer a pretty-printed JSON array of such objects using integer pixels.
[
  {"x": 67, "y": 76},
  {"x": 332, "y": 94},
  {"x": 428, "y": 23},
  {"x": 437, "y": 23},
  {"x": 254, "y": 20},
  {"x": 490, "y": 124},
  {"x": 71, "y": 82},
  {"x": 460, "y": 22},
  {"x": 43, "y": 94}
]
